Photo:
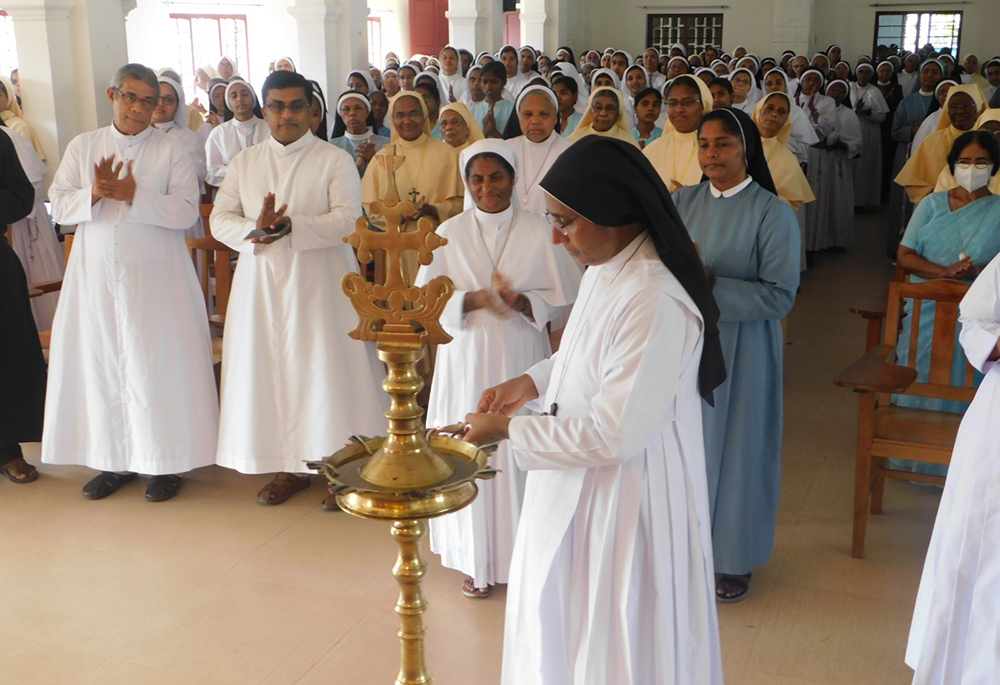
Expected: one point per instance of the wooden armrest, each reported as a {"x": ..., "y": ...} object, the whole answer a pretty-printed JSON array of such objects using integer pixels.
[
  {"x": 43, "y": 288},
  {"x": 871, "y": 373},
  {"x": 873, "y": 307}
]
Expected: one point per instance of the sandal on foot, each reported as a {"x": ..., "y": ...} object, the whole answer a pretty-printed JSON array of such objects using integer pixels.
[
  {"x": 283, "y": 486},
  {"x": 162, "y": 488},
  {"x": 106, "y": 483},
  {"x": 469, "y": 589},
  {"x": 19, "y": 471},
  {"x": 730, "y": 589}
]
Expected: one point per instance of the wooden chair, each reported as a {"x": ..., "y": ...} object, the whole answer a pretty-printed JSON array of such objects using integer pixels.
[
  {"x": 215, "y": 265},
  {"x": 873, "y": 310},
  {"x": 887, "y": 431}
]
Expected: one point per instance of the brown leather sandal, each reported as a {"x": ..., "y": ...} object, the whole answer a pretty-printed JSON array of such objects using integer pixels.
[
  {"x": 19, "y": 471},
  {"x": 281, "y": 488},
  {"x": 470, "y": 590}
]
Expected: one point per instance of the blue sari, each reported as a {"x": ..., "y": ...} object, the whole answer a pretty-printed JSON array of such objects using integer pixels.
[{"x": 939, "y": 235}]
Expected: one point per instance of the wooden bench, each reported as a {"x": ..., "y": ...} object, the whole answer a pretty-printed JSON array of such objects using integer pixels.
[{"x": 887, "y": 431}]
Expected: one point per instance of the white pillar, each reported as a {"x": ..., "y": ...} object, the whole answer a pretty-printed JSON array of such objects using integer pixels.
[
  {"x": 534, "y": 19},
  {"x": 67, "y": 53},
  {"x": 466, "y": 25},
  {"x": 793, "y": 23},
  {"x": 333, "y": 40}
]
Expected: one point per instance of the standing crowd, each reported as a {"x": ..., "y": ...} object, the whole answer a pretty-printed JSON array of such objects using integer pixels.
[{"x": 625, "y": 236}]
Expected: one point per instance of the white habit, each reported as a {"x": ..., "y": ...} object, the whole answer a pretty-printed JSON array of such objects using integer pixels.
[
  {"x": 130, "y": 384},
  {"x": 534, "y": 160},
  {"x": 486, "y": 351},
  {"x": 34, "y": 237},
  {"x": 190, "y": 141},
  {"x": 294, "y": 386},
  {"x": 956, "y": 622},
  {"x": 227, "y": 140},
  {"x": 612, "y": 578}
]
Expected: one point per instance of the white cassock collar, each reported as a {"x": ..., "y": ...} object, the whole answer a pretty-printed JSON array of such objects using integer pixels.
[
  {"x": 291, "y": 148},
  {"x": 732, "y": 191},
  {"x": 129, "y": 141}
]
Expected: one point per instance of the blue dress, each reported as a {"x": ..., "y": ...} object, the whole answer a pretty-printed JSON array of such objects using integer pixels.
[
  {"x": 939, "y": 235},
  {"x": 501, "y": 113},
  {"x": 571, "y": 124},
  {"x": 750, "y": 242},
  {"x": 345, "y": 143},
  {"x": 654, "y": 134}
]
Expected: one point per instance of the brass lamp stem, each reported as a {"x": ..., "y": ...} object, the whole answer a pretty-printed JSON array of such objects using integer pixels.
[{"x": 409, "y": 571}]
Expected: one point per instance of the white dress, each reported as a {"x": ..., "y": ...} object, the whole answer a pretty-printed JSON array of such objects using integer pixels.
[
  {"x": 34, "y": 237},
  {"x": 830, "y": 219},
  {"x": 295, "y": 387},
  {"x": 196, "y": 147},
  {"x": 459, "y": 87},
  {"x": 956, "y": 621},
  {"x": 534, "y": 160},
  {"x": 868, "y": 167},
  {"x": 487, "y": 350},
  {"x": 229, "y": 139},
  {"x": 612, "y": 579},
  {"x": 130, "y": 384}
]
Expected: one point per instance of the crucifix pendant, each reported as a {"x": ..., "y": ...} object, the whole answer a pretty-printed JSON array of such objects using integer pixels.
[
  {"x": 414, "y": 195},
  {"x": 961, "y": 256}
]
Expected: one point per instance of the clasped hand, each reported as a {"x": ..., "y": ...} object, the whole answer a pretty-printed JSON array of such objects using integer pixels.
[
  {"x": 108, "y": 185},
  {"x": 423, "y": 209},
  {"x": 491, "y": 421},
  {"x": 500, "y": 299},
  {"x": 961, "y": 270}
]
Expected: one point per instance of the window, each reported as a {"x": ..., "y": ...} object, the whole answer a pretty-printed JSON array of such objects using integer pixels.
[
  {"x": 202, "y": 38},
  {"x": 8, "y": 51},
  {"x": 694, "y": 31},
  {"x": 912, "y": 30},
  {"x": 375, "y": 55}
]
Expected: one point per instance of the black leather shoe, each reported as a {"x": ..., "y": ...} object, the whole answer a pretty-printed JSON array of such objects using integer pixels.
[
  {"x": 106, "y": 483},
  {"x": 162, "y": 488}
]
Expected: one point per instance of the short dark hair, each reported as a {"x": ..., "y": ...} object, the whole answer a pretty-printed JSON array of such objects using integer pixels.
[
  {"x": 648, "y": 91},
  {"x": 724, "y": 82},
  {"x": 281, "y": 79},
  {"x": 495, "y": 68},
  {"x": 984, "y": 139},
  {"x": 489, "y": 155}
]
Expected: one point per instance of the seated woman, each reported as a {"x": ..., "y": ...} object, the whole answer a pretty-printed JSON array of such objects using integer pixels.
[
  {"x": 952, "y": 234},
  {"x": 458, "y": 127},
  {"x": 605, "y": 117},
  {"x": 988, "y": 121},
  {"x": 648, "y": 103}
]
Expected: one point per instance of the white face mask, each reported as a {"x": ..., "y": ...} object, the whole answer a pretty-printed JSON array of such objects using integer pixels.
[{"x": 972, "y": 178}]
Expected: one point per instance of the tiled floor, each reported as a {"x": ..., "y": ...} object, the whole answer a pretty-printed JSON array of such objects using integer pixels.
[{"x": 214, "y": 588}]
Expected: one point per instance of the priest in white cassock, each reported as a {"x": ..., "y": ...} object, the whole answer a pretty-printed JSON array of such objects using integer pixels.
[
  {"x": 956, "y": 621},
  {"x": 294, "y": 386},
  {"x": 131, "y": 388},
  {"x": 538, "y": 146},
  {"x": 612, "y": 580},
  {"x": 510, "y": 281},
  {"x": 244, "y": 127}
]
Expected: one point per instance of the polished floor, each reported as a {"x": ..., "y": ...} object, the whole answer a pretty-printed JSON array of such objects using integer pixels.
[{"x": 214, "y": 588}]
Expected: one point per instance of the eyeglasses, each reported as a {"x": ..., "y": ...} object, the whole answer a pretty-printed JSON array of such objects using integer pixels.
[
  {"x": 687, "y": 103},
  {"x": 148, "y": 104},
  {"x": 557, "y": 224},
  {"x": 956, "y": 107},
  {"x": 168, "y": 100},
  {"x": 979, "y": 166},
  {"x": 296, "y": 106},
  {"x": 611, "y": 108}
]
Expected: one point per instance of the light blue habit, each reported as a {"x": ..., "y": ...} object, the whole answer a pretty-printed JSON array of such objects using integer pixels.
[
  {"x": 571, "y": 124},
  {"x": 501, "y": 113},
  {"x": 750, "y": 243},
  {"x": 345, "y": 143},
  {"x": 939, "y": 235}
]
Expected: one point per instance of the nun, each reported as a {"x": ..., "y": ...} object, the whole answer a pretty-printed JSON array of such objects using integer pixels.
[
  {"x": 458, "y": 127},
  {"x": 674, "y": 154},
  {"x": 356, "y": 127},
  {"x": 872, "y": 110},
  {"x": 170, "y": 116},
  {"x": 510, "y": 282},
  {"x": 749, "y": 242},
  {"x": 611, "y": 575},
  {"x": 244, "y": 127},
  {"x": 605, "y": 116},
  {"x": 538, "y": 146},
  {"x": 802, "y": 136}
]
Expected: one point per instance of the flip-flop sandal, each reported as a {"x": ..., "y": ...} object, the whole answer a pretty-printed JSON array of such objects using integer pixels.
[
  {"x": 106, "y": 483},
  {"x": 279, "y": 490},
  {"x": 29, "y": 472},
  {"x": 731, "y": 589},
  {"x": 470, "y": 590}
]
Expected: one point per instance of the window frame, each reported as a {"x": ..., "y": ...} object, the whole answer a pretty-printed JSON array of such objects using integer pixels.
[
  {"x": 687, "y": 20},
  {"x": 958, "y": 37}
]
